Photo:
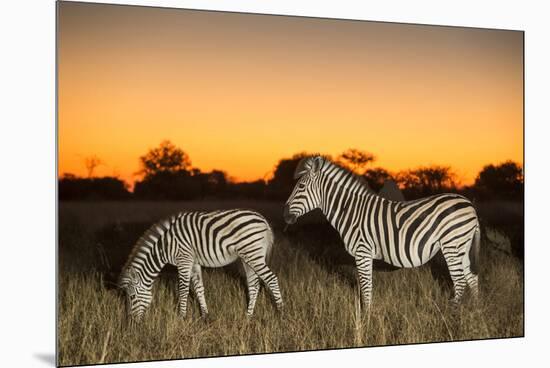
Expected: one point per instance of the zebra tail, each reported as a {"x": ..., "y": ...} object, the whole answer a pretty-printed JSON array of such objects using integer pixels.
[
  {"x": 269, "y": 240},
  {"x": 474, "y": 251}
]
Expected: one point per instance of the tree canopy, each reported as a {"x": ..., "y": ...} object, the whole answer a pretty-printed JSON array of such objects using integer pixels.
[
  {"x": 355, "y": 160},
  {"x": 500, "y": 181},
  {"x": 376, "y": 177},
  {"x": 166, "y": 158},
  {"x": 283, "y": 181},
  {"x": 426, "y": 181}
]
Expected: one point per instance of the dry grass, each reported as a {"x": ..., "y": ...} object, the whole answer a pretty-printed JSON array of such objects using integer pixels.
[{"x": 321, "y": 310}]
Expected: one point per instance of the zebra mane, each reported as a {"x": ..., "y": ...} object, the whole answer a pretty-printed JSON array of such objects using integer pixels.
[
  {"x": 340, "y": 168},
  {"x": 153, "y": 235}
]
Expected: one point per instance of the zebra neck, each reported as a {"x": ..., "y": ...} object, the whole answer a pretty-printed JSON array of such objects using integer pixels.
[
  {"x": 341, "y": 205},
  {"x": 150, "y": 260}
]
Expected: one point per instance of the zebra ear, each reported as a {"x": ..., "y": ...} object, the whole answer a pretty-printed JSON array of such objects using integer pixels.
[
  {"x": 134, "y": 276},
  {"x": 122, "y": 283},
  {"x": 302, "y": 168},
  {"x": 316, "y": 164}
]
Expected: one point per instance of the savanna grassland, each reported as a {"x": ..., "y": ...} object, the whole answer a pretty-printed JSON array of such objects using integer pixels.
[{"x": 317, "y": 281}]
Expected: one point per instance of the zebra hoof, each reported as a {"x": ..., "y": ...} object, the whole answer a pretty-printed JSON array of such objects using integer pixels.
[
  {"x": 207, "y": 318},
  {"x": 182, "y": 315},
  {"x": 455, "y": 305}
]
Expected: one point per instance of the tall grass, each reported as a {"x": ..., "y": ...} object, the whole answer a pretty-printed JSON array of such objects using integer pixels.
[{"x": 322, "y": 310}]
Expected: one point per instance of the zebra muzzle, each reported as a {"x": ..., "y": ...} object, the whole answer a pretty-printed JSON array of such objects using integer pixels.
[{"x": 289, "y": 217}]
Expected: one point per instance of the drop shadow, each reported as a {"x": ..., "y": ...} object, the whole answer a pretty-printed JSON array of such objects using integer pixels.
[{"x": 47, "y": 358}]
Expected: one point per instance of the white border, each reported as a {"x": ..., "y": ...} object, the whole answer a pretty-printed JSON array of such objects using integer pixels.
[{"x": 28, "y": 180}]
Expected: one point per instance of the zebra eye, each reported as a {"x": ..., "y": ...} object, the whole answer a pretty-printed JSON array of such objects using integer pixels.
[
  {"x": 301, "y": 186},
  {"x": 132, "y": 296}
]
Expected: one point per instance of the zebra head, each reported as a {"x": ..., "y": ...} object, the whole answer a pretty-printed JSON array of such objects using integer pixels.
[
  {"x": 138, "y": 295},
  {"x": 306, "y": 194}
]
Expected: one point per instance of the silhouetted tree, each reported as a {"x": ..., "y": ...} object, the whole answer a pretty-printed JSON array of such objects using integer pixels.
[
  {"x": 280, "y": 186},
  {"x": 217, "y": 182},
  {"x": 166, "y": 158},
  {"x": 376, "y": 177},
  {"x": 167, "y": 174},
  {"x": 72, "y": 187},
  {"x": 179, "y": 185},
  {"x": 212, "y": 184},
  {"x": 253, "y": 190},
  {"x": 426, "y": 181},
  {"x": 355, "y": 160},
  {"x": 91, "y": 163},
  {"x": 504, "y": 181}
]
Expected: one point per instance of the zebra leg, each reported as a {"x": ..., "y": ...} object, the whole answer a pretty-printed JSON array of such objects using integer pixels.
[
  {"x": 454, "y": 264},
  {"x": 364, "y": 269},
  {"x": 470, "y": 261},
  {"x": 253, "y": 284},
  {"x": 471, "y": 280},
  {"x": 198, "y": 287},
  {"x": 469, "y": 276},
  {"x": 259, "y": 266},
  {"x": 184, "y": 277}
]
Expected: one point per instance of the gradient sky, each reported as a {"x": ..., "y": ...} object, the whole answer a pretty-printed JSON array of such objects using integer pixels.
[{"x": 238, "y": 92}]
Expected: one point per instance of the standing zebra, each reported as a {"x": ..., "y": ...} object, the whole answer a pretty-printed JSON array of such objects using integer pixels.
[
  {"x": 404, "y": 234},
  {"x": 191, "y": 240}
]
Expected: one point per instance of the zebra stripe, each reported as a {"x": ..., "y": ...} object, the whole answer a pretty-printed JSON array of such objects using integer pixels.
[
  {"x": 403, "y": 234},
  {"x": 192, "y": 240}
]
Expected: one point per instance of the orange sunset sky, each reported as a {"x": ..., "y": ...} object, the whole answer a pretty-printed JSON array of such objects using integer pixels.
[{"x": 238, "y": 92}]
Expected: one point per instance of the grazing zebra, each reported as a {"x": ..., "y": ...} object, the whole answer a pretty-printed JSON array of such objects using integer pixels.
[
  {"x": 191, "y": 240},
  {"x": 404, "y": 234}
]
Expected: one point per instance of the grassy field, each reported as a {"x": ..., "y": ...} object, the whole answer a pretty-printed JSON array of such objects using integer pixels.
[{"x": 317, "y": 281}]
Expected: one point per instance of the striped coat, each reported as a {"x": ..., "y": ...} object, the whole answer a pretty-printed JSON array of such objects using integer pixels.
[
  {"x": 403, "y": 234},
  {"x": 192, "y": 240}
]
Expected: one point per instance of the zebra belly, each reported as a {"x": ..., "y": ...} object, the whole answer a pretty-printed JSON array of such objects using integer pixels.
[
  {"x": 414, "y": 255},
  {"x": 223, "y": 261},
  {"x": 214, "y": 256}
]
